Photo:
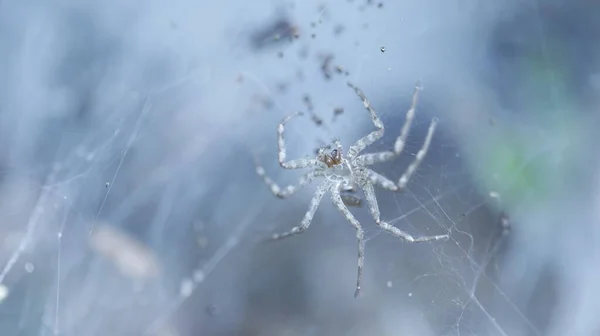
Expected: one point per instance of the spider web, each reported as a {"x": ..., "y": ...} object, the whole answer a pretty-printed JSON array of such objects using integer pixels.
[{"x": 130, "y": 205}]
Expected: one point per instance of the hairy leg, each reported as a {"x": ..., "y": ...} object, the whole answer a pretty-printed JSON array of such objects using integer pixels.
[
  {"x": 380, "y": 180},
  {"x": 373, "y": 158},
  {"x": 374, "y": 209},
  {"x": 371, "y": 137},
  {"x": 290, "y": 189},
  {"x": 292, "y": 164},
  {"x": 310, "y": 213},
  {"x": 403, "y": 181},
  {"x": 360, "y": 235}
]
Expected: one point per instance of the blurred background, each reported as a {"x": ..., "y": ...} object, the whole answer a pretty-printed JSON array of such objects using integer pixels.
[{"x": 129, "y": 199}]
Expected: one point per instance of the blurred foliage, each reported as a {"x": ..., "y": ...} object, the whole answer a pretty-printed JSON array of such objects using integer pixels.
[{"x": 528, "y": 160}]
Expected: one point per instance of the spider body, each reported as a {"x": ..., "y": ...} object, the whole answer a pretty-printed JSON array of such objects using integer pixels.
[{"x": 340, "y": 173}]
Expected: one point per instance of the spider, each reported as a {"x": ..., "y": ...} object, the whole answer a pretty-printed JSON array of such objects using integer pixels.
[{"x": 341, "y": 173}]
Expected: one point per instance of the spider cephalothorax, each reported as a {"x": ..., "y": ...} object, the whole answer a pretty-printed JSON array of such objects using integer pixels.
[{"x": 341, "y": 173}]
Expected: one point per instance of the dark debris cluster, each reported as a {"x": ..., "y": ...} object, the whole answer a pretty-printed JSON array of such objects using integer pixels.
[{"x": 283, "y": 32}]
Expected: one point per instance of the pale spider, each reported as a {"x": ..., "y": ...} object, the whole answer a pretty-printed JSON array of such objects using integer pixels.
[{"x": 341, "y": 173}]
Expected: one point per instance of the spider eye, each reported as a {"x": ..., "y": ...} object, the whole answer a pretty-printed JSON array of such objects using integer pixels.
[{"x": 334, "y": 153}]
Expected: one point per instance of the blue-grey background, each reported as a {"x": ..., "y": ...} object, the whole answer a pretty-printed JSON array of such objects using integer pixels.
[{"x": 130, "y": 206}]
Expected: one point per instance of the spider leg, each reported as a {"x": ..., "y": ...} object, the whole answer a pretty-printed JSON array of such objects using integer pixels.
[
  {"x": 292, "y": 164},
  {"x": 419, "y": 157},
  {"x": 371, "y": 137},
  {"x": 380, "y": 180},
  {"x": 290, "y": 189},
  {"x": 408, "y": 119},
  {"x": 360, "y": 236},
  {"x": 373, "y": 158},
  {"x": 314, "y": 204},
  {"x": 374, "y": 209}
]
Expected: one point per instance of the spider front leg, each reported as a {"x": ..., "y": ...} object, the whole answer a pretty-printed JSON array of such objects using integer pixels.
[
  {"x": 369, "y": 159},
  {"x": 293, "y": 164},
  {"x": 314, "y": 204},
  {"x": 290, "y": 189},
  {"x": 374, "y": 209},
  {"x": 373, "y": 158},
  {"x": 360, "y": 235},
  {"x": 371, "y": 137},
  {"x": 419, "y": 157},
  {"x": 408, "y": 119}
]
